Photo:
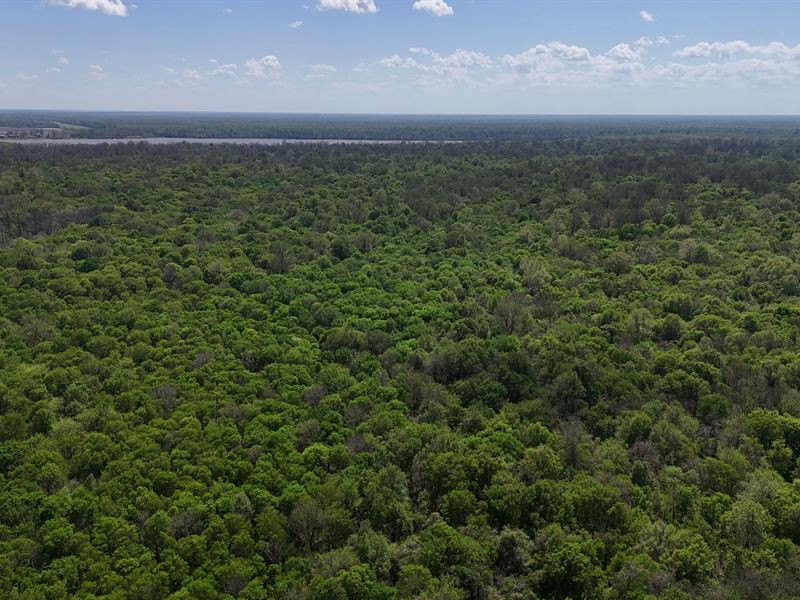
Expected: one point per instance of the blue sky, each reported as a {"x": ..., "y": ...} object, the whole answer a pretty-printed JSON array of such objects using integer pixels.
[{"x": 402, "y": 56}]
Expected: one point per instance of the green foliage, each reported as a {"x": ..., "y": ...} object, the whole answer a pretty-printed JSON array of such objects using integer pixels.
[
  {"x": 443, "y": 550},
  {"x": 531, "y": 369}
]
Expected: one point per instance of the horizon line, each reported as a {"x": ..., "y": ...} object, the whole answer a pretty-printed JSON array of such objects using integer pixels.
[{"x": 397, "y": 114}]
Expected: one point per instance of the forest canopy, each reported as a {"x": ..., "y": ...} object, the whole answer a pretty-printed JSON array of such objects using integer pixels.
[
  {"x": 546, "y": 368},
  {"x": 133, "y": 124}
]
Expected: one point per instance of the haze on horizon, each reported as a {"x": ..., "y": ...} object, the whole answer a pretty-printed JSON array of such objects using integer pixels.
[{"x": 402, "y": 57}]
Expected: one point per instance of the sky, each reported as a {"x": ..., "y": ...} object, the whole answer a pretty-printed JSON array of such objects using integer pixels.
[{"x": 402, "y": 56}]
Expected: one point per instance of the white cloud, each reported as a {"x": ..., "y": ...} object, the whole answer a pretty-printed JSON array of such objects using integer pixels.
[
  {"x": 354, "y": 6},
  {"x": 63, "y": 60},
  {"x": 53, "y": 70},
  {"x": 228, "y": 70},
  {"x": 564, "y": 52},
  {"x": 322, "y": 68},
  {"x": 96, "y": 72},
  {"x": 624, "y": 53},
  {"x": 213, "y": 61},
  {"x": 440, "y": 8},
  {"x": 228, "y": 11},
  {"x": 726, "y": 50},
  {"x": 296, "y": 24},
  {"x": 560, "y": 64},
  {"x": 647, "y": 42},
  {"x": 265, "y": 66},
  {"x": 463, "y": 59},
  {"x": 747, "y": 72},
  {"x": 113, "y": 8},
  {"x": 391, "y": 62},
  {"x": 720, "y": 64},
  {"x": 619, "y": 62},
  {"x": 319, "y": 71},
  {"x": 646, "y": 16},
  {"x": 542, "y": 55},
  {"x": 436, "y": 69},
  {"x": 191, "y": 74}
]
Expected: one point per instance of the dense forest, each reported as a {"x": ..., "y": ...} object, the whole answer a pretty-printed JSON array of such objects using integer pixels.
[
  {"x": 564, "y": 367},
  {"x": 90, "y": 124}
]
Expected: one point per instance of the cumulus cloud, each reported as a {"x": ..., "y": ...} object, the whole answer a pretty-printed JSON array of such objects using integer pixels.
[
  {"x": 436, "y": 69},
  {"x": 191, "y": 74},
  {"x": 440, "y": 8},
  {"x": 624, "y": 53},
  {"x": 463, "y": 59},
  {"x": 96, "y": 68},
  {"x": 263, "y": 67},
  {"x": 742, "y": 72},
  {"x": 354, "y": 6},
  {"x": 391, "y": 62},
  {"x": 726, "y": 50},
  {"x": 560, "y": 64},
  {"x": 112, "y": 8},
  {"x": 53, "y": 70},
  {"x": 460, "y": 59},
  {"x": 544, "y": 54},
  {"x": 646, "y": 16},
  {"x": 557, "y": 63},
  {"x": 295, "y": 24}
]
